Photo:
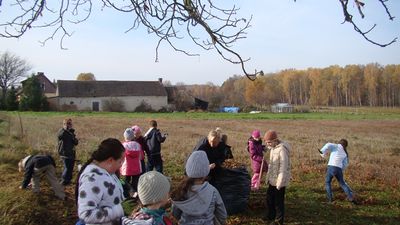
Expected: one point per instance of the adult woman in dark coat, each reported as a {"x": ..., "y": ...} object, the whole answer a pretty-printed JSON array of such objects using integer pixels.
[{"x": 215, "y": 150}]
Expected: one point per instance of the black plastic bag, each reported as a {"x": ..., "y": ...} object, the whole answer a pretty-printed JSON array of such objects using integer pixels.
[{"x": 234, "y": 187}]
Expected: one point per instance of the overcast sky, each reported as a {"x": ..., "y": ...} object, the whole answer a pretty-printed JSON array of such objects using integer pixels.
[{"x": 284, "y": 34}]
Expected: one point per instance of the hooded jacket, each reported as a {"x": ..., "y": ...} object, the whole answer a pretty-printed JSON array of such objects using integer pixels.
[
  {"x": 279, "y": 166},
  {"x": 100, "y": 196},
  {"x": 338, "y": 156},
  {"x": 133, "y": 154},
  {"x": 256, "y": 150},
  {"x": 203, "y": 205},
  {"x": 154, "y": 139}
]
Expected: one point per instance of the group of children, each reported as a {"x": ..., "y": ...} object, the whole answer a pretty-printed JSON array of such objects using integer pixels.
[
  {"x": 99, "y": 192},
  {"x": 136, "y": 147},
  {"x": 195, "y": 201}
]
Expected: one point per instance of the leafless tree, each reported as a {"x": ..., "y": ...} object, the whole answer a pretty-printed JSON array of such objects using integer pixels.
[
  {"x": 208, "y": 25},
  {"x": 12, "y": 69}
]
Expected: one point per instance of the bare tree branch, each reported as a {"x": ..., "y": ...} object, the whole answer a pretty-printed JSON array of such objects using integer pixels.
[
  {"x": 349, "y": 18},
  {"x": 202, "y": 21},
  {"x": 163, "y": 18}
]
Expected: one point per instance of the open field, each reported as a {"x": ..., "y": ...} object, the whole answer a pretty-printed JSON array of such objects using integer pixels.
[{"x": 373, "y": 174}]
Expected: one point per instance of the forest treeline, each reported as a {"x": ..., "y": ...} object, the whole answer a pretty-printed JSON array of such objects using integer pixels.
[{"x": 352, "y": 85}]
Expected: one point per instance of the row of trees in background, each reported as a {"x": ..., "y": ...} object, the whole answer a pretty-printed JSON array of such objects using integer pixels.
[{"x": 352, "y": 85}]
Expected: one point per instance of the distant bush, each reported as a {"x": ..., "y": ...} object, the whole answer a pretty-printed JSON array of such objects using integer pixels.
[
  {"x": 144, "y": 107},
  {"x": 165, "y": 109},
  {"x": 302, "y": 109},
  {"x": 113, "y": 105}
]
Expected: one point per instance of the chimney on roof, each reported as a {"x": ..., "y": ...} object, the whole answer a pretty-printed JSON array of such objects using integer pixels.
[
  {"x": 40, "y": 73},
  {"x": 160, "y": 80}
]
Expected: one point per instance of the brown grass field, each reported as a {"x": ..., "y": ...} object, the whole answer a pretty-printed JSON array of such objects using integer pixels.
[{"x": 373, "y": 174}]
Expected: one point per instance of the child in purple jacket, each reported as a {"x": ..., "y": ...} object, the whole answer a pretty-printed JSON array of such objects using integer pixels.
[{"x": 256, "y": 150}]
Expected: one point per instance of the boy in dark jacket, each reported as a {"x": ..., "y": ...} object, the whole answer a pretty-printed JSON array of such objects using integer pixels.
[
  {"x": 35, "y": 167},
  {"x": 66, "y": 149},
  {"x": 154, "y": 138}
]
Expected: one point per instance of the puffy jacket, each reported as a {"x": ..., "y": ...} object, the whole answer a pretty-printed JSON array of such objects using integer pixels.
[
  {"x": 153, "y": 140},
  {"x": 279, "y": 166},
  {"x": 256, "y": 154},
  {"x": 133, "y": 155},
  {"x": 203, "y": 205}
]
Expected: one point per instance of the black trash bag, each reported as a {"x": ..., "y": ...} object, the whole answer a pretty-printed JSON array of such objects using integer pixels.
[{"x": 234, "y": 187}]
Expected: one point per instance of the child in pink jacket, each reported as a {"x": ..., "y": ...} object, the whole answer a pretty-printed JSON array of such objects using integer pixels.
[
  {"x": 256, "y": 150},
  {"x": 131, "y": 167}
]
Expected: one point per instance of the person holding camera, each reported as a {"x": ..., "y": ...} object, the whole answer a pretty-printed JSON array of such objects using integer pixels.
[
  {"x": 66, "y": 149},
  {"x": 154, "y": 138}
]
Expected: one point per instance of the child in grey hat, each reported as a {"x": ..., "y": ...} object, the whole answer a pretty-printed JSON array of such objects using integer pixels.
[
  {"x": 196, "y": 201},
  {"x": 153, "y": 191}
]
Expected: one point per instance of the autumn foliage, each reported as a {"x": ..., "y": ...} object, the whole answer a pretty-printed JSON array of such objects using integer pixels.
[{"x": 352, "y": 85}]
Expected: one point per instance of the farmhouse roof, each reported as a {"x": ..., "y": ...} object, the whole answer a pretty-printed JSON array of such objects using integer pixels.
[{"x": 74, "y": 88}]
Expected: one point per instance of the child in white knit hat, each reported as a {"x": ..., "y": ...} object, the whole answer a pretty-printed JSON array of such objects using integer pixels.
[
  {"x": 131, "y": 168},
  {"x": 196, "y": 201},
  {"x": 153, "y": 190}
]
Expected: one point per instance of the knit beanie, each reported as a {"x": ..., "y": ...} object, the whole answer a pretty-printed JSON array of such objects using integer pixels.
[
  {"x": 270, "y": 135},
  {"x": 153, "y": 187},
  {"x": 136, "y": 129},
  {"x": 256, "y": 134},
  {"x": 197, "y": 166},
  {"x": 128, "y": 134}
]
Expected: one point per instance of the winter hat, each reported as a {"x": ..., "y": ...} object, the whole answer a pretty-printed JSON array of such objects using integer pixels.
[
  {"x": 270, "y": 135},
  {"x": 153, "y": 187},
  {"x": 128, "y": 134},
  {"x": 197, "y": 166},
  {"x": 256, "y": 134},
  {"x": 136, "y": 129}
]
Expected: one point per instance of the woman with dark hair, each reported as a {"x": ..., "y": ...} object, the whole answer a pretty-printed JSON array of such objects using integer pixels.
[
  {"x": 98, "y": 192},
  {"x": 338, "y": 161}
]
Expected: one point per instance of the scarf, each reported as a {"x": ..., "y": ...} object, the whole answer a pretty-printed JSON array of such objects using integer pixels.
[{"x": 157, "y": 215}]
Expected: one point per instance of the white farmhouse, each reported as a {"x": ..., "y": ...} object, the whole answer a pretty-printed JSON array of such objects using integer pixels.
[{"x": 98, "y": 95}]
